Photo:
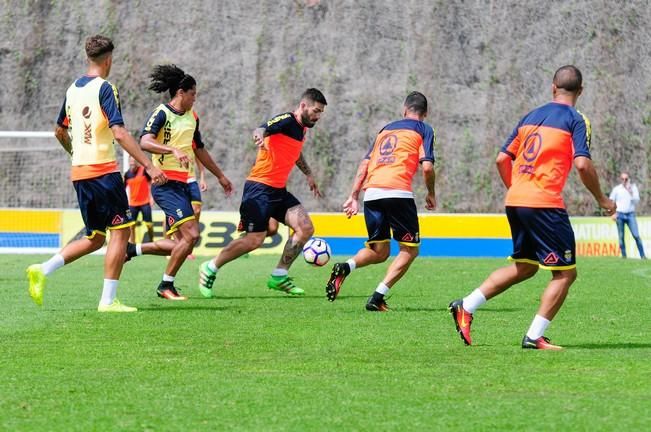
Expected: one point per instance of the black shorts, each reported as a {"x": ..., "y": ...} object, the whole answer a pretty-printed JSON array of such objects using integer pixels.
[
  {"x": 261, "y": 202},
  {"x": 144, "y": 209},
  {"x": 173, "y": 198},
  {"x": 542, "y": 236},
  {"x": 103, "y": 203},
  {"x": 397, "y": 214}
]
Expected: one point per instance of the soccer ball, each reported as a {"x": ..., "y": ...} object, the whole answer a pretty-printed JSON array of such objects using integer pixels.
[{"x": 316, "y": 252}]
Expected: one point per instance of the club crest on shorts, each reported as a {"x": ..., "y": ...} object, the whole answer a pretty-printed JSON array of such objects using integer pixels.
[{"x": 568, "y": 255}]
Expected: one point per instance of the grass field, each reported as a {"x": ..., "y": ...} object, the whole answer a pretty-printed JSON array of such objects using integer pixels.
[{"x": 252, "y": 359}]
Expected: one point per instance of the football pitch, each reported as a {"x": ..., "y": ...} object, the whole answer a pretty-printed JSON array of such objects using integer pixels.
[{"x": 254, "y": 359}]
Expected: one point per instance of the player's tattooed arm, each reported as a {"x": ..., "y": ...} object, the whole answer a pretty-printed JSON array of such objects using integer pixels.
[
  {"x": 63, "y": 137},
  {"x": 301, "y": 163},
  {"x": 258, "y": 136}
]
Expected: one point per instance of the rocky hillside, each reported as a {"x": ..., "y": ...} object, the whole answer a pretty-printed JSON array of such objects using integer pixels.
[{"x": 483, "y": 64}]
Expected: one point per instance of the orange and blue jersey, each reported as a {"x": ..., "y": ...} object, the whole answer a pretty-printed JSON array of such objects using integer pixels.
[
  {"x": 138, "y": 183},
  {"x": 175, "y": 129},
  {"x": 90, "y": 109},
  {"x": 543, "y": 146},
  {"x": 394, "y": 156},
  {"x": 284, "y": 138}
]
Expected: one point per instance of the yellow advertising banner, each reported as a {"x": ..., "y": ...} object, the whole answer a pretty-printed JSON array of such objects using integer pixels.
[
  {"x": 442, "y": 234},
  {"x": 598, "y": 236},
  {"x": 217, "y": 229}
]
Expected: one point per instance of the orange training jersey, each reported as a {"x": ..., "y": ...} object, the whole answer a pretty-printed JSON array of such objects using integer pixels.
[
  {"x": 174, "y": 129},
  {"x": 396, "y": 153},
  {"x": 543, "y": 147},
  {"x": 284, "y": 141},
  {"x": 90, "y": 109},
  {"x": 138, "y": 183}
]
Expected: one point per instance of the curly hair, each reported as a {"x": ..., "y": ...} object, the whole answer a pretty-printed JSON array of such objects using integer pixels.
[{"x": 170, "y": 77}]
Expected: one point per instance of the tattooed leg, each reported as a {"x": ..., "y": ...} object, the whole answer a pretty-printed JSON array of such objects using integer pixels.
[{"x": 298, "y": 219}]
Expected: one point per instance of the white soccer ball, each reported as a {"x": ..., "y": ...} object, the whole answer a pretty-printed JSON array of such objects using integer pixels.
[{"x": 316, "y": 252}]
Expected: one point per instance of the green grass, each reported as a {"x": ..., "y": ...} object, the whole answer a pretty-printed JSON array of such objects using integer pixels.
[{"x": 253, "y": 359}]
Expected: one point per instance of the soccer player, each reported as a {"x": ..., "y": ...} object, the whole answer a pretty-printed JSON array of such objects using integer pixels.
[
  {"x": 265, "y": 197},
  {"x": 534, "y": 163},
  {"x": 89, "y": 122},
  {"x": 386, "y": 175},
  {"x": 172, "y": 134},
  {"x": 137, "y": 181}
]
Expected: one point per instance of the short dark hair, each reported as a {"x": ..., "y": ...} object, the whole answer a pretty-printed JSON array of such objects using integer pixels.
[
  {"x": 170, "y": 77},
  {"x": 568, "y": 78},
  {"x": 416, "y": 102},
  {"x": 97, "y": 46},
  {"x": 314, "y": 95}
]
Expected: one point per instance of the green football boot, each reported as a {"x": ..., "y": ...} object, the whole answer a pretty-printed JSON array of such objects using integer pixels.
[
  {"x": 284, "y": 284},
  {"x": 206, "y": 280}
]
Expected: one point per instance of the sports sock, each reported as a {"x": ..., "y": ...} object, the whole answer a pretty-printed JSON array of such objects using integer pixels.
[
  {"x": 138, "y": 249},
  {"x": 212, "y": 266},
  {"x": 279, "y": 272},
  {"x": 52, "y": 264},
  {"x": 472, "y": 302},
  {"x": 380, "y": 291},
  {"x": 109, "y": 291},
  {"x": 167, "y": 278},
  {"x": 351, "y": 264},
  {"x": 538, "y": 327}
]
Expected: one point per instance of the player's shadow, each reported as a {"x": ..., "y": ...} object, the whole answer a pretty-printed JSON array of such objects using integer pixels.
[
  {"x": 603, "y": 346},
  {"x": 280, "y": 297},
  {"x": 187, "y": 307},
  {"x": 445, "y": 309}
]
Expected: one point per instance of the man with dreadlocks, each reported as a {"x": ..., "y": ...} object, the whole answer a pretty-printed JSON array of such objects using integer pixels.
[{"x": 172, "y": 134}]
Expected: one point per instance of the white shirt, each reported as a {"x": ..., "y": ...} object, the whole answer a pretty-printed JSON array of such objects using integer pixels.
[
  {"x": 372, "y": 194},
  {"x": 625, "y": 200}
]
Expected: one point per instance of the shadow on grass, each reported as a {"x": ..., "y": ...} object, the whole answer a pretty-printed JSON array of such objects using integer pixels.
[
  {"x": 188, "y": 307},
  {"x": 445, "y": 309},
  {"x": 603, "y": 346},
  {"x": 287, "y": 297}
]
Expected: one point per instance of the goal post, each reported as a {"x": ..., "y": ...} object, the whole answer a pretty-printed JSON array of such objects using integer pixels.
[{"x": 34, "y": 187}]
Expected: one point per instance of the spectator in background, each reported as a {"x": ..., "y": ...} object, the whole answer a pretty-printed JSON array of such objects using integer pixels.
[{"x": 626, "y": 195}]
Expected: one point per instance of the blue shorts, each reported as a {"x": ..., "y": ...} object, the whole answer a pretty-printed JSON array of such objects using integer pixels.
[
  {"x": 173, "y": 198},
  {"x": 398, "y": 215},
  {"x": 261, "y": 202},
  {"x": 195, "y": 192},
  {"x": 542, "y": 236},
  {"x": 144, "y": 209},
  {"x": 103, "y": 203}
]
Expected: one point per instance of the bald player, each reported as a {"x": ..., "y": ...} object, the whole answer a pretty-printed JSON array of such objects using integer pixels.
[
  {"x": 534, "y": 164},
  {"x": 386, "y": 175}
]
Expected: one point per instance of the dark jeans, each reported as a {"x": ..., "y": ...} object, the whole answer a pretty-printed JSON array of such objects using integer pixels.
[{"x": 629, "y": 219}]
